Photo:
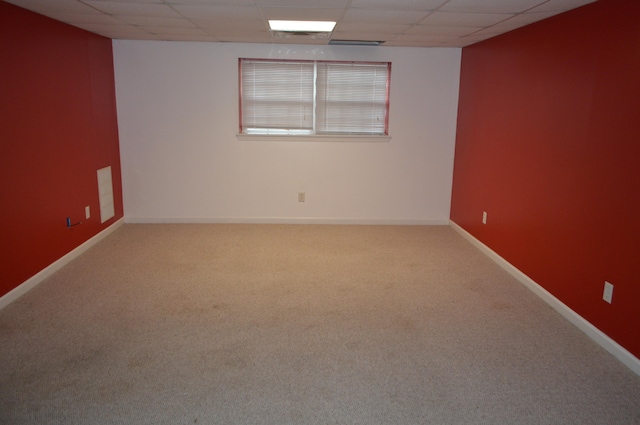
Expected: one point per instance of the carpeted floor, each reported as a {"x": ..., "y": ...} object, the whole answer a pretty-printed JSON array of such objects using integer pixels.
[{"x": 298, "y": 324}]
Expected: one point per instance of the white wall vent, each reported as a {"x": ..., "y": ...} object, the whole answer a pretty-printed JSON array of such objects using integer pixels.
[{"x": 105, "y": 191}]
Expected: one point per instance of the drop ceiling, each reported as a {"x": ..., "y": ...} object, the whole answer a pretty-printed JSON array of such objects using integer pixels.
[{"x": 411, "y": 23}]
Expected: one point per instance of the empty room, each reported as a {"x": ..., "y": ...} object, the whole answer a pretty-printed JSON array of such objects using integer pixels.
[{"x": 306, "y": 212}]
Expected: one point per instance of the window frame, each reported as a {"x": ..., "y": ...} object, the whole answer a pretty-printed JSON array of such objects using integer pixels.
[{"x": 334, "y": 136}]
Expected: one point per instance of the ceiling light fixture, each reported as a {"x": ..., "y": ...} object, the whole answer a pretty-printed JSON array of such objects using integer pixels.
[{"x": 302, "y": 26}]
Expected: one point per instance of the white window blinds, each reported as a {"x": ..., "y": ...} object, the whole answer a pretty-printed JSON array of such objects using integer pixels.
[
  {"x": 277, "y": 97},
  {"x": 307, "y": 97},
  {"x": 352, "y": 98}
]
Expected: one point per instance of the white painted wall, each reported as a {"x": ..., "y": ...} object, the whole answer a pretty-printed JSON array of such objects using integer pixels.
[{"x": 181, "y": 161}]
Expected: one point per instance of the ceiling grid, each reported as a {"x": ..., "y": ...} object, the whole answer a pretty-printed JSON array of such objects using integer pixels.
[{"x": 408, "y": 23}]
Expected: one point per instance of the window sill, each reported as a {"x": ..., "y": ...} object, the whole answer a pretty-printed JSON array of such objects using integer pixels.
[{"x": 312, "y": 138}]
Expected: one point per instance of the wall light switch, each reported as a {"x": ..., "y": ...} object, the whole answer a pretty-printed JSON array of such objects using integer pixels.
[
  {"x": 608, "y": 292},
  {"x": 484, "y": 217},
  {"x": 301, "y": 196},
  {"x": 87, "y": 212}
]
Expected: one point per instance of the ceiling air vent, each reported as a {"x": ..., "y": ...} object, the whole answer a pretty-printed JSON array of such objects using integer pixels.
[{"x": 355, "y": 42}]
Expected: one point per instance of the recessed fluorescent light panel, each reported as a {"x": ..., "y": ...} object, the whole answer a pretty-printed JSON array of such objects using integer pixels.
[{"x": 302, "y": 26}]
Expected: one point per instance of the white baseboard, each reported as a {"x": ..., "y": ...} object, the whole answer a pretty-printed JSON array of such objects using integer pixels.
[
  {"x": 580, "y": 322},
  {"x": 34, "y": 280},
  {"x": 284, "y": 220}
]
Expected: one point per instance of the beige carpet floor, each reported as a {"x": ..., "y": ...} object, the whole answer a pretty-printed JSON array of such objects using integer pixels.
[{"x": 298, "y": 324}]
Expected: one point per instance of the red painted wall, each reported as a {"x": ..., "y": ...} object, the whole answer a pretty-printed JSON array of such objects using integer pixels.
[
  {"x": 548, "y": 143},
  {"x": 57, "y": 128}
]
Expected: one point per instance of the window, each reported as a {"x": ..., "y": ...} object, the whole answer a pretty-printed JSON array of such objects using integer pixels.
[{"x": 285, "y": 97}]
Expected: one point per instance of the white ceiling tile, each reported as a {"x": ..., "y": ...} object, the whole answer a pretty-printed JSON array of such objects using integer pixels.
[
  {"x": 393, "y": 43},
  {"x": 118, "y": 27},
  {"x": 383, "y": 17},
  {"x": 474, "y": 38},
  {"x": 424, "y": 38},
  {"x": 125, "y": 30},
  {"x": 232, "y": 33},
  {"x": 560, "y": 5},
  {"x": 490, "y": 6},
  {"x": 245, "y": 38},
  {"x": 232, "y": 27},
  {"x": 118, "y": 35},
  {"x": 158, "y": 22},
  {"x": 464, "y": 19},
  {"x": 399, "y": 22},
  {"x": 447, "y": 31},
  {"x": 461, "y": 42},
  {"x": 301, "y": 14},
  {"x": 84, "y": 18},
  {"x": 180, "y": 37},
  {"x": 491, "y": 32},
  {"x": 422, "y": 5},
  {"x": 315, "y": 4},
  {"x": 165, "y": 31},
  {"x": 137, "y": 9},
  {"x": 411, "y": 43},
  {"x": 211, "y": 2},
  {"x": 224, "y": 12},
  {"x": 357, "y": 27},
  {"x": 524, "y": 19}
]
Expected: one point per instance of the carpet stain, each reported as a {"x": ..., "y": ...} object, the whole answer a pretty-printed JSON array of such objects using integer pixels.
[
  {"x": 140, "y": 360},
  {"x": 86, "y": 359},
  {"x": 498, "y": 305},
  {"x": 405, "y": 325}
]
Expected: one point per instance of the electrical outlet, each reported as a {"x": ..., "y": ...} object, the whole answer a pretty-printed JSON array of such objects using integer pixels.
[
  {"x": 301, "y": 196},
  {"x": 87, "y": 212},
  {"x": 607, "y": 295},
  {"x": 484, "y": 217}
]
